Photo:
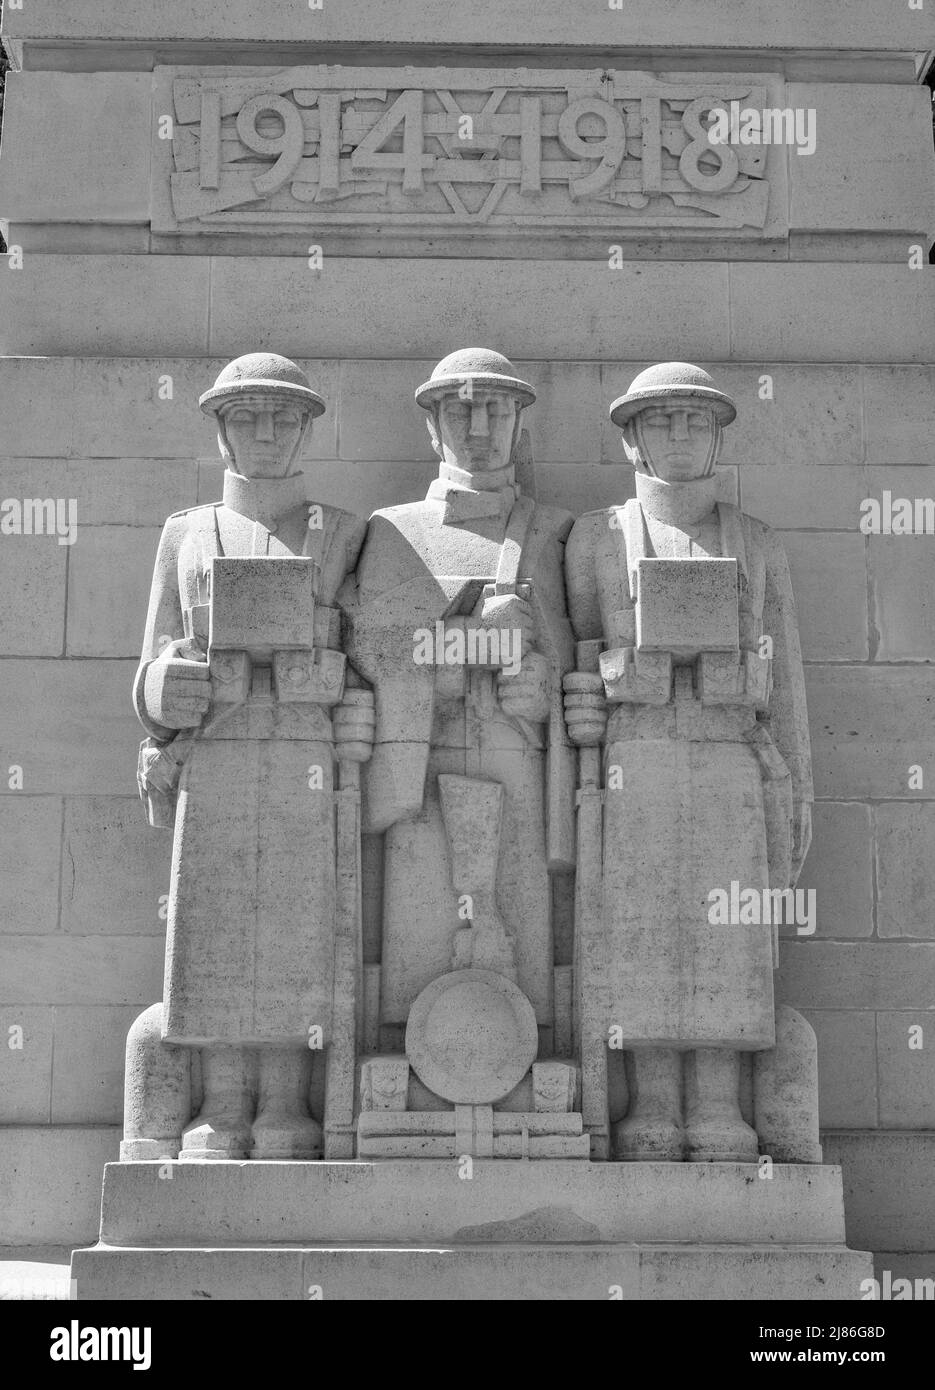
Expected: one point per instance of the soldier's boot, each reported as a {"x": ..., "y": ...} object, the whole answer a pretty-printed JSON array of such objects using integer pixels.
[
  {"x": 652, "y": 1130},
  {"x": 221, "y": 1129},
  {"x": 715, "y": 1130},
  {"x": 283, "y": 1127},
  {"x": 157, "y": 1091},
  {"x": 785, "y": 1092}
]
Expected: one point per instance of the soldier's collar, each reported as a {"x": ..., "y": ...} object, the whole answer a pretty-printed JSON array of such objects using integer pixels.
[
  {"x": 463, "y": 504},
  {"x": 466, "y": 501},
  {"x": 678, "y": 504},
  {"x": 266, "y": 500}
]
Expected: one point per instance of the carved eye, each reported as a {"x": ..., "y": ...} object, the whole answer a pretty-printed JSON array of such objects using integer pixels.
[{"x": 698, "y": 420}]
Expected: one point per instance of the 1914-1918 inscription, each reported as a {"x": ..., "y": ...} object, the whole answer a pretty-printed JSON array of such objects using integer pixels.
[{"x": 490, "y": 150}]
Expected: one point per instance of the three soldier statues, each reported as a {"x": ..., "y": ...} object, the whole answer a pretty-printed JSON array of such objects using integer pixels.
[{"x": 511, "y": 711}]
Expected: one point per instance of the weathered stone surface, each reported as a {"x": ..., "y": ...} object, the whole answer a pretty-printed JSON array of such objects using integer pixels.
[
  {"x": 104, "y": 618},
  {"x": 883, "y": 180},
  {"x": 831, "y": 304},
  {"x": 32, "y": 573},
  {"x": 887, "y": 1188},
  {"x": 508, "y": 1272},
  {"x": 792, "y": 415},
  {"x": 839, "y": 869},
  {"x": 796, "y": 24},
  {"x": 829, "y": 577},
  {"x": 847, "y": 1068},
  {"x": 88, "y": 305},
  {"x": 76, "y": 147},
  {"x": 87, "y": 1081},
  {"x": 116, "y": 872},
  {"x": 900, "y": 412},
  {"x": 795, "y": 497},
  {"x": 857, "y": 974},
  {"x": 421, "y": 1202},
  {"x": 37, "y": 411},
  {"x": 905, "y": 869},
  {"x": 52, "y": 1182},
  {"x": 870, "y": 726},
  {"x": 902, "y": 570},
  {"x": 30, "y": 849},
  {"x": 907, "y": 1071},
  {"x": 77, "y": 970},
  {"x": 68, "y": 725},
  {"x": 575, "y": 311},
  {"x": 25, "y": 1064}
]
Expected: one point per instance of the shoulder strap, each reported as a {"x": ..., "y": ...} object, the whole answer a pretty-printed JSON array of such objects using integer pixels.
[
  {"x": 511, "y": 552},
  {"x": 317, "y": 546},
  {"x": 632, "y": 525},
  {"x": 202, "y": 526}
]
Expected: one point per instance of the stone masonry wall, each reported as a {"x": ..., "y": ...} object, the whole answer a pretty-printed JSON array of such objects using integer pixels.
[{"x": 825, "y": 339}]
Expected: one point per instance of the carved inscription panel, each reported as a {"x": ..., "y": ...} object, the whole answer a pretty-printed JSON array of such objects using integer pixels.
[{"x": 406, "y": 149}]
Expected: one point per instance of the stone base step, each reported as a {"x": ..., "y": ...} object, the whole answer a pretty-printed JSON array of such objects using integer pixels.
[
  {"x": 438, "y": 1202},
  {"x": 480, "y": 1272}
]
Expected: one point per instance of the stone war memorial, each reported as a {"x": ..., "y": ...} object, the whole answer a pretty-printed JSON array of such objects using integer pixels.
[{"x": 467, "y": 730}]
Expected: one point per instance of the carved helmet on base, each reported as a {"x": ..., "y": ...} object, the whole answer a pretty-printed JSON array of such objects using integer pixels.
[{"x": 262, "y": 374}]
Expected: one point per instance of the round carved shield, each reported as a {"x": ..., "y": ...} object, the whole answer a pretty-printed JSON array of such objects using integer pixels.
[{"x": 471, "y": 1036}]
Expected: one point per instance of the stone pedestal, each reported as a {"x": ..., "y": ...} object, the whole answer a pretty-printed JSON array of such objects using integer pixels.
[{"x": 422, "y": 1230}]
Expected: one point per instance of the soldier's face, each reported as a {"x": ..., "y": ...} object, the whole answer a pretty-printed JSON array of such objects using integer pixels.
[
  {"x": 263, "y": 437},
  {"x": 676, "y": 443},
  {"x": 477, "y": 434}
]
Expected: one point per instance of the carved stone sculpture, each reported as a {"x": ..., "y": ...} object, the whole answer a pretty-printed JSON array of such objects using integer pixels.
[
  {"x": 689, "y": 680},
  {"x": 459, "y": 622},
  {"x": 257, "y": 728}
]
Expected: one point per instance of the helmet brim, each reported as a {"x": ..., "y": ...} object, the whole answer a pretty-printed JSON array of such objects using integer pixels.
[
  {"x": 214, "y": 400},
  {"x": 436, "y": 387},
  {"x": 625, "y": 407}
]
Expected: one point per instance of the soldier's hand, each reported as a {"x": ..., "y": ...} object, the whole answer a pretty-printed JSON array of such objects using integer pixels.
[
  {"x": 354, "y": 722},
  {"x": 585, "y": 708},
  {"x": 177, "y": 688},
  {"x": 509, "y": 613},
  {"x": 525, "y": 694}
]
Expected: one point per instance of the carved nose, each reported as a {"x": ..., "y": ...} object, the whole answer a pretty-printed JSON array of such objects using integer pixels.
[
  {"x": 479, "y": 425},
  {"x": 678, "y": 425},
  {"x": 265, "y": 429}
]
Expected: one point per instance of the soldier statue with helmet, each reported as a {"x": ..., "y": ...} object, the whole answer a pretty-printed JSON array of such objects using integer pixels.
[
  {"x": 689, "y": 690},
  {"x": 254, "y": 718}
]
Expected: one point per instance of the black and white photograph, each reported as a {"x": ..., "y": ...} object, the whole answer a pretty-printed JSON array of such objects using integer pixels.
[{"x": 467, "y": 666}]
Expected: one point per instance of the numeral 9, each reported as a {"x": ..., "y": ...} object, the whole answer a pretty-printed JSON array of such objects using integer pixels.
[
  {"x": 609, "y": 150},
  {"x": 288, "y": 145}
]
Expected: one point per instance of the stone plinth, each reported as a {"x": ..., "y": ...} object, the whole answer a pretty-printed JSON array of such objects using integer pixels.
[{"x": 514, "y": 1230}]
